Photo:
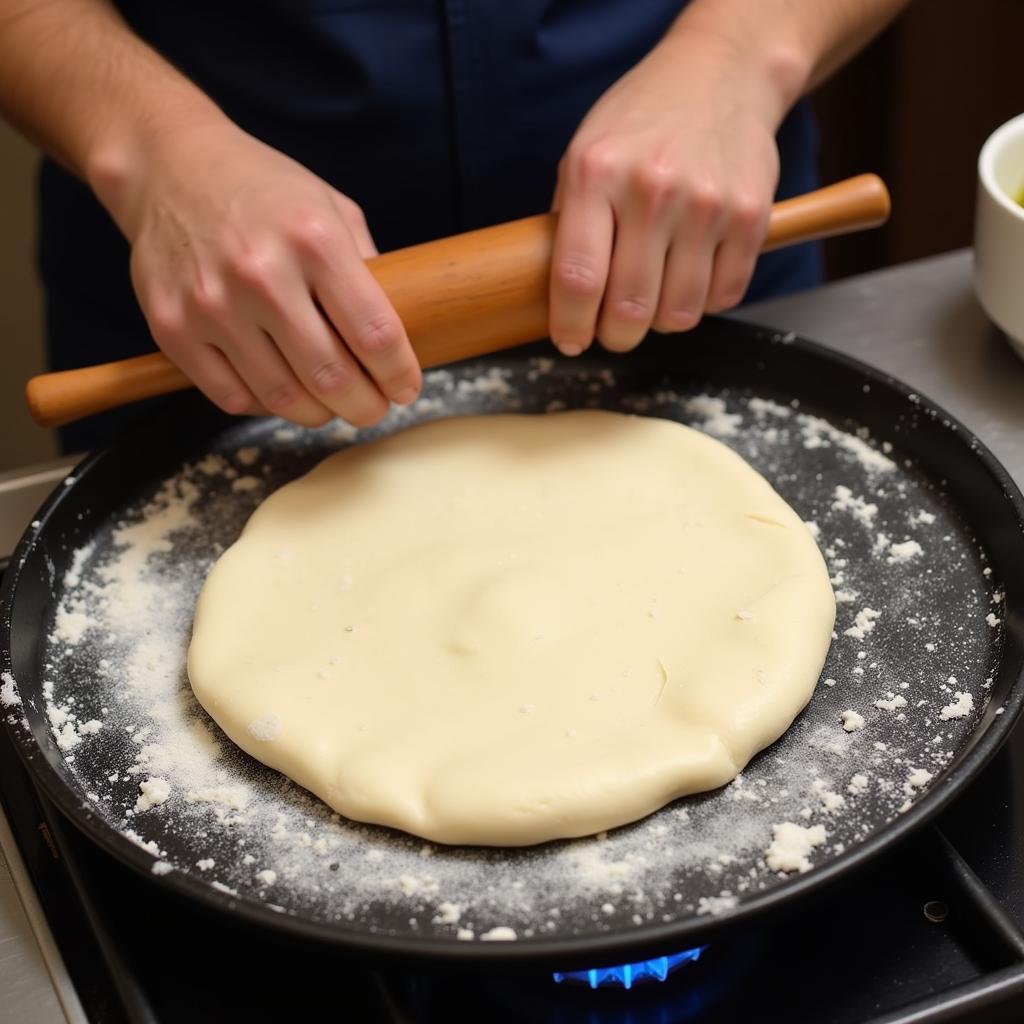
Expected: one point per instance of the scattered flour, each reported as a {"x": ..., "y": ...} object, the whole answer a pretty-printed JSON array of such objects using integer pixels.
[
  {"x": 863, "y": 623},
  {"x": 791, "y": 845},
  {"x": 899, "y": 553},
  {"x": 962, "y": 706},
  {"x": 9, "y": 695},
  {"x": 831, "y": 802},
  {"x": 852, "y": 720},
  {"x": 714, "y": 418},
  {"x": 248, "y": 455},
  {"x": 153, "y": 792},
  {"x": 861, "y": 510},
  {"x": 891, "y": 702},
  {"x": 449, "y": 913},
  {"x": 716, "y": 905},
  {"x": 858, "y": 784}
]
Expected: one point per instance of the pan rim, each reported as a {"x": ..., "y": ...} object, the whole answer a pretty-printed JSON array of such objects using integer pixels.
[{"x": 990, "y": 733}]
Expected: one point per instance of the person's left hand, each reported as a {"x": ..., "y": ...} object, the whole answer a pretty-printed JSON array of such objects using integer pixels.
[{"x": 663, "y": 196}]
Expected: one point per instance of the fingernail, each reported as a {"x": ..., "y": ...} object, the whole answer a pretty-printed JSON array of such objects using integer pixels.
[
  {"x": 406, "y": 397},
  {"x": 570, "y": 350}
]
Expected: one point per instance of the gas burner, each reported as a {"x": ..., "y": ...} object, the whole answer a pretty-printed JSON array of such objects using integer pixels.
[{"x": 627, "y": 975}]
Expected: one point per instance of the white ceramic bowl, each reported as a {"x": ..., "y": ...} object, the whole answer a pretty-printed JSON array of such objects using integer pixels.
[{"x": 999, "y": 230}]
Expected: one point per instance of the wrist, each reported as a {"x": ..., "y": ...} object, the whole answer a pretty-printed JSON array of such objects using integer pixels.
[
  {"x": 769, "y": 65},
  {"x": 123, "y": 154}
]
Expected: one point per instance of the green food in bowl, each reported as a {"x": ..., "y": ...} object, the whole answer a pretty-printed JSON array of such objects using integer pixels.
[{"x": 1019, "y": 197}]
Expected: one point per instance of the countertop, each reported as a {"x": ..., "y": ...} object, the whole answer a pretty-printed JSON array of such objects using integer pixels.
[
  {"x": 918, "y": 322},
  {"x": 921, "y": 323}
]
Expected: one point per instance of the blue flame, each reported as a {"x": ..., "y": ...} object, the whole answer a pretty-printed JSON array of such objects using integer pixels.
[{"x": 626, "y": 975}]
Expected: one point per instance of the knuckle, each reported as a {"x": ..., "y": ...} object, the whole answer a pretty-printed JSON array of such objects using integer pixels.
[
  {"x": 331, "y": 377},
  {"x": 707, "y": 200},
  {"x": 312, "y": 232},
  {"x": 210, "y": 299},
  {"x": 747, "y": 211},
  {"x": 632, "y": 309},
  {"x": 282, "y": 397},
  {"x": 658, "y": 182},
  {"x": 353, "y": 212},
  {"x": 595, "y": 164},
  {"x": 377, "y": 335},
  {"x": 575, "y": 274},
  {"x": 167, "y": 325},
  {"x": 254, "y": 267}
]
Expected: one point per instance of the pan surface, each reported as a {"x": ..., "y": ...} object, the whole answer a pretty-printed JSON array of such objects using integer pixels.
[{"x": 922, "y": 531}]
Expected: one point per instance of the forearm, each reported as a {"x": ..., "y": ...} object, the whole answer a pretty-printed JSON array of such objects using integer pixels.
[
  {"x": 789, "y": 46},
  {"x": 83, "y": 86}
]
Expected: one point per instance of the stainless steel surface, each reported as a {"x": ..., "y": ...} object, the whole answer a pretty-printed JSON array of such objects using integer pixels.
[
  {"x": 919, "y": 322},
  {"x": 34, "y": 983},
  {"x": 22, "y": 491}
]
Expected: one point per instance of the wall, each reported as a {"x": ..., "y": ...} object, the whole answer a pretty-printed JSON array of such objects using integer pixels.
[
  {"x": 21, "y": 326},
  {"x": 916, "y": 107}
]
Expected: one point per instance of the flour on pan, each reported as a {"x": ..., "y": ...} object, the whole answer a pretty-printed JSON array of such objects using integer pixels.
[{"x": 132, "y": 588}]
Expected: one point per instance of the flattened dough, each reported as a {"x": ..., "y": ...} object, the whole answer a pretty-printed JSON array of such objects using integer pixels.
[{"x": 501, "y": 630}]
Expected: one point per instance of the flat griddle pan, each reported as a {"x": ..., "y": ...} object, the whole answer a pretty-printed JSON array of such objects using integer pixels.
[{"x": 961, "y": 598}]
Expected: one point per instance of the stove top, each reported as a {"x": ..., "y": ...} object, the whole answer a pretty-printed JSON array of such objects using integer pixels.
[{"x": 934, "y": 932}]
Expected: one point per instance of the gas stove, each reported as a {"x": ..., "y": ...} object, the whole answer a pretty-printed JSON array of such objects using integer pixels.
[{"x": 934, "y": 932}]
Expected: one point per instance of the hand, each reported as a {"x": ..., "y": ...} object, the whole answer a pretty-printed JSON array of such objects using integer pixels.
[
  {"x": 664, "y": 196},
  {"x": 250, "y": 272}
]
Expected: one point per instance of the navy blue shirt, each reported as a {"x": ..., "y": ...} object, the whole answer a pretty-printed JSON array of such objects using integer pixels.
[{"x": 436, "y": 116}]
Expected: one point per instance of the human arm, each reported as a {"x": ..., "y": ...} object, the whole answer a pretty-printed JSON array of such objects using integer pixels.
[
  {"x": 249, "y": 268},
  {"x": 664, "y": 192}
]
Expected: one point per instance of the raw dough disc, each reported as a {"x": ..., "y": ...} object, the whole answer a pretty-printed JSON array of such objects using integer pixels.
[{"x": 501, "y": 630}]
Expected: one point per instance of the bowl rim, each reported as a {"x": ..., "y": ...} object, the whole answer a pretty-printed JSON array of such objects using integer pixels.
[{"x": 994, "y": 144}]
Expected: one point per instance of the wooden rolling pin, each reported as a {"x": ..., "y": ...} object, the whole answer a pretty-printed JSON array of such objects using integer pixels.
[{"x": 458, "y": 297}]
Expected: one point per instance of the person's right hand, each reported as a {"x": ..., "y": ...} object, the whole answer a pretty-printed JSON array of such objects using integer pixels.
[{"x": 250, "y": 272}]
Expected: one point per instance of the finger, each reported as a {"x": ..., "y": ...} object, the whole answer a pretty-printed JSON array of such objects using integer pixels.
[
  {"x": 684, "y": 287},
  {"x": 556, "y": 199},
  {"x": 688, "y": 268},
  {"x": 325, "y": 366},
  {"x": 255, "y": 357},
  {"x": 634, "y": 283},
  {"x": 579, "y": 268},
  {"x": 357, "y": 308},
  {"x": 203, "y": 364},
  {"x": 207, "y": 368},
  {"x": 737, "y": 256}
]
